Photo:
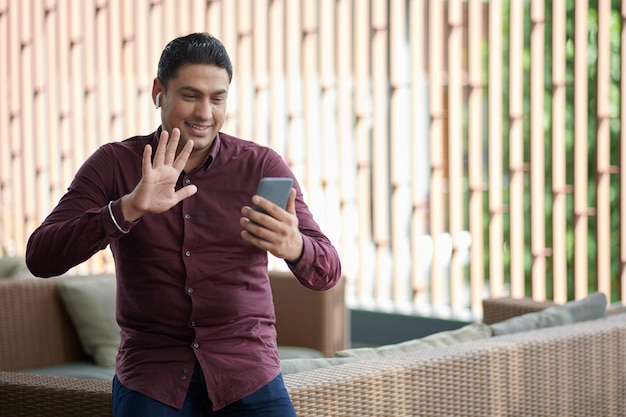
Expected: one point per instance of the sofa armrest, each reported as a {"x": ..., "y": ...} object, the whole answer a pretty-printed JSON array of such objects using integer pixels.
[
  {"x": 307, "y": 318},
  {"x": 500, "y": 309},
  {"x": 36, "y": 330},
  {"x": 25, "y": 395}
]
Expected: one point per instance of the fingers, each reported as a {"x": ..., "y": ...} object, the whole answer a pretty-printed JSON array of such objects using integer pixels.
[
  {"x": 146, "y": 162},
  {"x": 183, "y": 156},
  {"x": 172, "y": 145},
  {"x": 165, "y": 154},
  {"x": 166, "y": 149},
  {"x": 279, "y": 237}
]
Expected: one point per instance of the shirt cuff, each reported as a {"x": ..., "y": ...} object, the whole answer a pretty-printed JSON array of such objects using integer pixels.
[
  {"x": 302, "y": 265},
  {"x": 114, "y": 219}
]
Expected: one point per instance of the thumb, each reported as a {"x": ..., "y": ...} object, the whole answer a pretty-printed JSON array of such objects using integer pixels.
[
  {"x": 186, "y": 192},
  {"x": 291, "y": 203}
]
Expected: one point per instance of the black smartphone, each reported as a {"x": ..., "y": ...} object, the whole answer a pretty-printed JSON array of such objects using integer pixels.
[{"x": 275, "y": 189}]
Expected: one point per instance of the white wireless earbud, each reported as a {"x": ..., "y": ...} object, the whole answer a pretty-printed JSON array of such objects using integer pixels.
[{"x": 158, "y": 100}]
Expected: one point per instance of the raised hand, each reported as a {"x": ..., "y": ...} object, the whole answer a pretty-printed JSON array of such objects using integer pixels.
[{"x": 155, "y": 192}]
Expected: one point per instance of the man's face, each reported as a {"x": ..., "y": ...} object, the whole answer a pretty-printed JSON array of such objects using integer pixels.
[{"x": 195, "y": 102}]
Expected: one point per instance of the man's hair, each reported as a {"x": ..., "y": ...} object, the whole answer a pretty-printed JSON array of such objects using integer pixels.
[{"x": 195, "y": 48}]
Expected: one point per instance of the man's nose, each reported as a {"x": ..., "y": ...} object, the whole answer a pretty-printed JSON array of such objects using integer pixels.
[{"x": 204, "y": 109}]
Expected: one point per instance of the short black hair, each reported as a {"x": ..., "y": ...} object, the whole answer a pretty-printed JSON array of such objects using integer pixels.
[{"x": 195, "y": 48}]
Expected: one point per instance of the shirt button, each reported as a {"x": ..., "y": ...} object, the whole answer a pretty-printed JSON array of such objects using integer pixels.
[
  {"x": 187, "y": 216},
  {"x": 190, "y": 290},
  {"x": 193, "y": 324},
  {"x": 187, "y": 181},
  {"x": 188, "y": 253},
  {"x": 183, "y": 377},
  {"x": 196, "y": 345},
  {"x": 185, "y": 370}
]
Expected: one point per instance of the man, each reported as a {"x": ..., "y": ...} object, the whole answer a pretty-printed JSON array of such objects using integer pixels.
[{"x": 193, "y": 297}]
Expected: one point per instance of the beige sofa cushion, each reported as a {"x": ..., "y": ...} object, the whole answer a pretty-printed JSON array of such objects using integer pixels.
[
  {"x": 90, "y": 303},
  {"x": 474, "y": 331}
]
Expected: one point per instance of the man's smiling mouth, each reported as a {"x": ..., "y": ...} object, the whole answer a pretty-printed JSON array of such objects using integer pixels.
[{"x": 199, "y": 128}]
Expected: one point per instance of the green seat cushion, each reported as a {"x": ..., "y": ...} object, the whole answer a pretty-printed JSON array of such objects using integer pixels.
[
  {"x": 589, "y": 308},
  {"x": 466, "y": 333}
]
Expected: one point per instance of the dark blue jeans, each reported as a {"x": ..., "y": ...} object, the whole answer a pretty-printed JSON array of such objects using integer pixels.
[{"x": 272, "y": 400}]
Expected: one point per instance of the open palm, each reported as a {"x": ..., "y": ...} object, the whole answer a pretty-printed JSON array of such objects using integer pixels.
[{"x": 155, "y": 192}]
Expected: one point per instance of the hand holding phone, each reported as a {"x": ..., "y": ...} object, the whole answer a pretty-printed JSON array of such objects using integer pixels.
[
  {"x": 276, "y": 190},
  {"x": 281, "y": 238}
]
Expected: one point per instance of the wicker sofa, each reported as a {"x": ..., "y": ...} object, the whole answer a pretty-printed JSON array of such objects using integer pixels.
[{"x": 570, "y": 370}]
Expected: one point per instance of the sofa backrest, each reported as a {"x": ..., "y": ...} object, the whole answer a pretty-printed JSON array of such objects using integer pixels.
[{"x": 36, "y": 331}]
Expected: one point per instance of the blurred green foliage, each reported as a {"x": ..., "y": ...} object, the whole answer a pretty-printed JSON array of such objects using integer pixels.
[{"x": 614, "y": 94}]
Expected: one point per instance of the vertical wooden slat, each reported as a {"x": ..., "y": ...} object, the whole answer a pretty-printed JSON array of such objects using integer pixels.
[
  {"x": 310, "y": 98},
  {"x": 475, "y": 149},
  {"x": 581, "y": 210},
  {"x": 17, "y": 114},
  {"x": 603, "y": 150},
  {"x": 260, "y": 76},
  {"x": 146, "y": 66},
  {"x": 559, "y": 186},
  {"x": 496, "y": 242},
  {"x": 132, "y": 106},
  {"x": 14, "y": 217},
  {"x": 7, "y": 234},
  {"x": 537, "y": 165},
  {"x": 214, "y": 24},
  {"x": 155, "y": 40},
  {"x": 77, "y": 92},
  {"x": 330, "y": 206},
  {"x": 115, "y": 71},
  {"x": 455, "y": 150},
  {"x": 64, "y": 86},
  {"x": 436, "y": 144},
  {"x": 622, "y": 159},
  {"x": 26, "y": 107},
  {"x": 421, "y": 243},
  {"x": 245, "y": 69},
  {"x": 197, "y": 11},
  {"x": 171, "y": 27},
  {"x": 229, "y": 35},
  {"x": 102, "y": 74},
  {"x": 276, "y": 51},
  {"x": 94, "y": 78},
  {"x": 362, "y": 128},
  {"x": 347, "y": 150},
  {"x": 53, "y": 109},
  {"x": 40, "y": 151},
  {"x": 380, "y": 155},
  {"x": 294, "y": 111},
  {"x": 184, "y": 21},
  {"x": 399, "y": 144},
  {"x": 517, "y": 166}
]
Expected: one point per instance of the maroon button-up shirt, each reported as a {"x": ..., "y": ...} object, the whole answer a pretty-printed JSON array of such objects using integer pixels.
[{"x": 189, "y": 289}]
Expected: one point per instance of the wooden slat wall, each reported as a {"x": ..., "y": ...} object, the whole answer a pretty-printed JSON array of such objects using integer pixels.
[{"x": 388, "y": 111}]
